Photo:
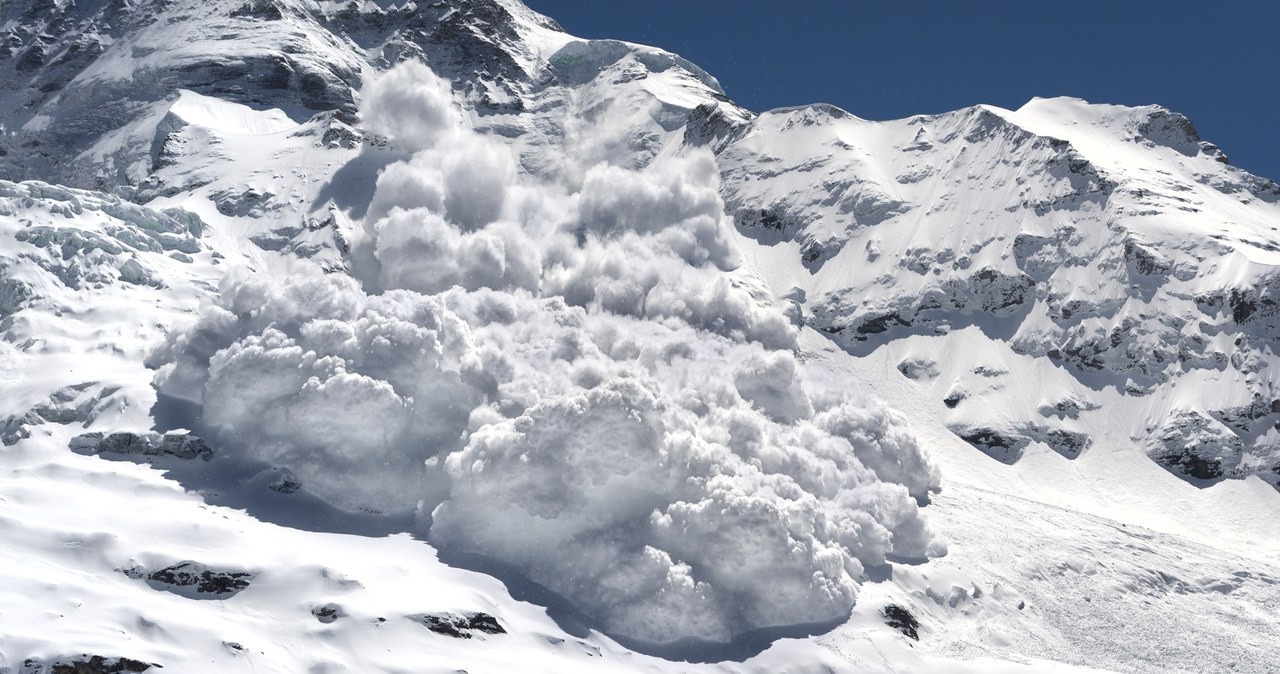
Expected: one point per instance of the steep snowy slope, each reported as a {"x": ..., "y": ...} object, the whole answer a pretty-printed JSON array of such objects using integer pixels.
[
  {"x": 983, "y": 391},
  {"x": 87, "y": 85},
  {"x": 1132, "y": 268}
]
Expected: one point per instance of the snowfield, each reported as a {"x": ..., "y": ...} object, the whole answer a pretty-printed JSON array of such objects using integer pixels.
[{"x": 366, "y": 337}]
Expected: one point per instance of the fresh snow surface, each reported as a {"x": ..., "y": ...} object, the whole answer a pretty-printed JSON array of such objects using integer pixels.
[{"x": 351, "y": 337}]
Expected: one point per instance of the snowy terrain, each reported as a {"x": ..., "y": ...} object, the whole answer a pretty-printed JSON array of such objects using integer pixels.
[{"x": 376, "y": 337}]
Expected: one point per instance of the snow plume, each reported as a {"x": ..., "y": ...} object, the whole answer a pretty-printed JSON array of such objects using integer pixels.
[
  {"x": 568, "y": 379},
  {"x": 411, "y": 104}
]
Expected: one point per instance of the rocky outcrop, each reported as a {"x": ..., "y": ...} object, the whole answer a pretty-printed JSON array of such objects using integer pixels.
[
  {"x": 1014, "y": 222},
  {"x": 958, "y": 300},
  {"x": 328, "y": 613},
  {"x": 711, "y": 127},
  {"x": 998, "y": 444},
  {"x": 919, "y": 369},
  {"x": 306, "y": 56},
  {"x": 178, "y": 444},
  {"x": 327, "y": 240},
  {"x": 85, "y": 664},
  {"x": 460, "y": 626},
  {"x": 901, "y": 619},
  {"x": 1067, "y": 408},
  {"x": 74, "y": 404},
  {"x": 1194, "y": 445},
  {"x": 194, "y": 580},
  {"x": 1006, "y": 443},
  {"x": 1174, "y": 130}
]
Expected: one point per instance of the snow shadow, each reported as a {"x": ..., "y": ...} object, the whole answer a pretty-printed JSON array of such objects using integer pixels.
[
  {"x": 263, "y": 491},
  {"x": 267, "y": 494},
  {"x": 744, "y": 647}
]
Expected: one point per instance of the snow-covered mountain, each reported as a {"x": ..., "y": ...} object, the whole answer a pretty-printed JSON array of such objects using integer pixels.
[{"x": 299, "y": 298}]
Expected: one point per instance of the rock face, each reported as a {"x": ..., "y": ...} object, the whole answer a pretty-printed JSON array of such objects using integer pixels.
[
  {"x": 328, "y": 613},
  {"x": 1005, "y": 444},
  {"x": 77, "y": 403},
  {"x": 61, "y": 61},
  {"x": 194, "y": 580},
  {"x": 112, "y": 66},
  {"x": 86, "y": 664},
  {"x": 1053, "y": 244},
  {"x": 901, "y": 619},
  {"x": 180, "y": 445},
  {"x": 460, "y": 626},
  {"x": 1197, "y": 446}
]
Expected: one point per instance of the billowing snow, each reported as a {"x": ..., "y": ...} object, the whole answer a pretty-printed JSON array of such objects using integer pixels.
[
  {"x": 672, "y": 477},
  {"x": 296, "y": 295}
]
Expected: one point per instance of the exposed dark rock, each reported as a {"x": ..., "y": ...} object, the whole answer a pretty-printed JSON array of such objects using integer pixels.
[
  {"x": 709, "y": 126},
  {"x": 987, "y": 292},
  {"x": 262, "y": 10},
  {"x": 1148, "y": 346},
  {"x": 1001, "y": 446},
  {"x": 1256, "y": 306},
  {"x": 14, "y": 294},
  {"x": 331, "y": 132},
  {"x": 460, "y": 626},
  {"x": 876, "y": 324},
  {"x": 1066, "y": 443},
  {"x": 954, "y": 398},
  {"x": 285, "y": 485},
  {"x": 247, "y": 203},
  {"x": 328, "y": 613},
  {"x": 1006, "y": 444},
  {"x": 194, "y": 580},
  {"x": 1197, "y": 446},
  {"x": 68, "y": 405},
  {"x": 177, "y": 444},
  {"x": 916, "y": 369},
  {"x": 762, "y": 218},
  {"x": 86, "y": 664},
  {"x": 1241, "y": 418},
  {"x": 1242, "y": 306},
  {"x": 1144, "y": 261},
  {"x": 815, "y": 253},
  {"x": 1188, "y": 463},
  {"x": 901, "y": 619},
  {"x": 1174, "y": 130},
  {"x": 997, "y": 291}
]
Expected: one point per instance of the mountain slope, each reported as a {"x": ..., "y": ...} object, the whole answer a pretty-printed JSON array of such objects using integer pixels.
[
  {"x": 1110, "y": 242},
  {"x": 706, "y": 383}
]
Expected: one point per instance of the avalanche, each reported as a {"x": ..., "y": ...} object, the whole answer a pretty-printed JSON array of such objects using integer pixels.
[{"x": 295, "y": 294}]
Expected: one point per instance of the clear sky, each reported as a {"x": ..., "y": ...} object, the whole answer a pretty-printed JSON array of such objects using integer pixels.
[{"x": 1216, "y": 62}]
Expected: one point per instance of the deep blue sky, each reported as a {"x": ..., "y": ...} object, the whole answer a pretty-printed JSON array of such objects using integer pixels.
[{"x": 1216, "y": 62}]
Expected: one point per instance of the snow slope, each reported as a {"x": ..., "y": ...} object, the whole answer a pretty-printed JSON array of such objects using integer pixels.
[
  {"x": 1108, "y": 244},
  {"x": 659, "y": 378}
]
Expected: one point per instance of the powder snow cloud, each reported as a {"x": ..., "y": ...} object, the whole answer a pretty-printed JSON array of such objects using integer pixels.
[{"x": 571, "y": 379}]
